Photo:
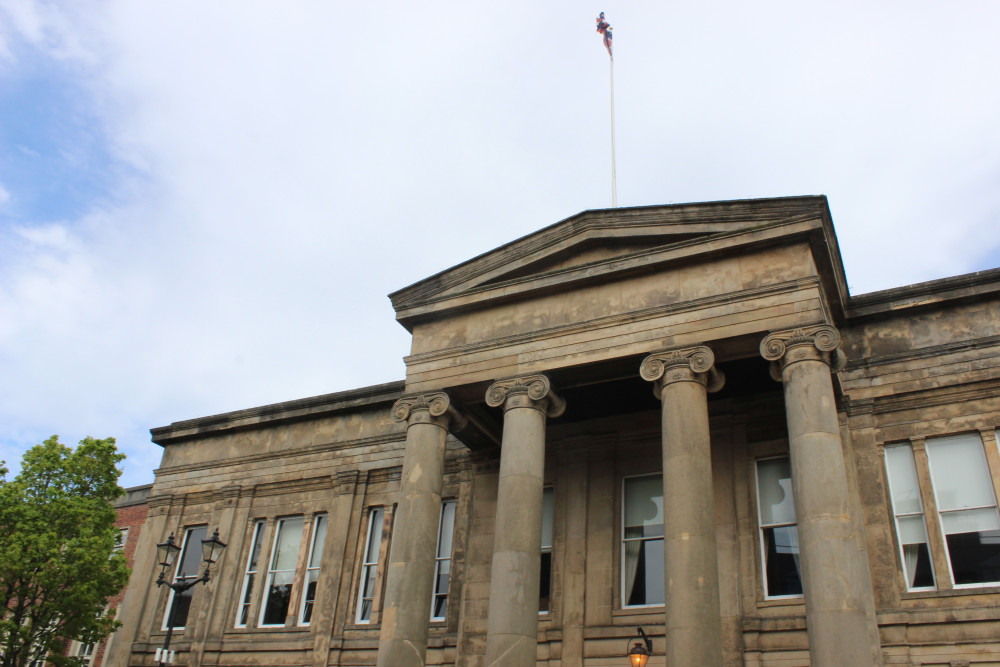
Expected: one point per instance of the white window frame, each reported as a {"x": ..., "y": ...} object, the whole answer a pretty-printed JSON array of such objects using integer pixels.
[
  {"x": 761, "y": 527},
  {"x": 271, "y": 572},
  {"x": 178, "y": 563},
  {"x": 78, "y": 651},
  {"x": 245, "y": 601},
  {"x": 928, "y": 443},
  {"x": 122, "y": 539},
  {"x": 906, "y": 515},
  {"x": 369, "y": 569},
  {"x": 439, "y": 559},
  {"x": 622, "y": 540},
  {"x": 313, "y": 563}
]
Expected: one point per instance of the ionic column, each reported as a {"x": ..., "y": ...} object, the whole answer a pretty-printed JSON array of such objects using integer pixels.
[
  {"x": 835, "y": 577},
  {"x": 512, "y": 629},
  {"x": 683, "y": 378},
  {"x": 406, "y": 610}
]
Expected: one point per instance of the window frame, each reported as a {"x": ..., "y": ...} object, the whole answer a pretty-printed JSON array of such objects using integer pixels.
[
  {"x": 363, "y": 578},
  {"x": 77, "y": 649},
  {"x": 896, "y": 516},
  {"x": 270, "y": 572},
  {"x": 175, "y": 577},
  {"x": 928, "y": 442},
  {"x": 761, "y": 527},
  {"x": 439, "y": 559},
  {"x": 317, "y": 519},
  {"x": 622, "y": 540},
  {"x": 245, "y": 601}
]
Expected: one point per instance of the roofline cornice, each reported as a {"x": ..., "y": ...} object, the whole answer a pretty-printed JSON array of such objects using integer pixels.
[
  {"x": 276, "y": 413},
  {"x": 888, "y": 302}
]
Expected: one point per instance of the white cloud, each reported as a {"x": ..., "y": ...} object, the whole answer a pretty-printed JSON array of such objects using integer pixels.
[{"x": 289, "y": 166}]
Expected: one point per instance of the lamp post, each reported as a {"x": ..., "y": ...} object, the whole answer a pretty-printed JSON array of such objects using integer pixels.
[
  {"x": 638, "y": 655},
  {"x": 166, "y": 554}
]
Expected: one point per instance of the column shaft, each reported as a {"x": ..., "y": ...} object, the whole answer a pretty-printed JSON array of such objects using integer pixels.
[
  {"x": 691, "y": 574},
  {"x": 835, "y": 576},
  {"x": 512, "y": 627},
  {"x": 406, "y": 609}
]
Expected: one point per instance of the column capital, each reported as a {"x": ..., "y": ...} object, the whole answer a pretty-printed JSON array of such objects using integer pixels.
[
  {"x": 683, "y": 364},
  {"x": 431, "y": 408},
  {"x": 818, "y": 342},
  {"x": 526, "y": 391}
]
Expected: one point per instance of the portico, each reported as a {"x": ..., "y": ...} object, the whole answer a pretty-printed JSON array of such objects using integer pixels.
[{"x": 662, "y": 293}]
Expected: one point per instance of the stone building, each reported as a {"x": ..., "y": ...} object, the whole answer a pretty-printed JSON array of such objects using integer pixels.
[{"x": 670, "y": 417}]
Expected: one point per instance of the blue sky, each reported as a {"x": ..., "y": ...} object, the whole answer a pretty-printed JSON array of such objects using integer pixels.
[{"x": 203, "y": 205}]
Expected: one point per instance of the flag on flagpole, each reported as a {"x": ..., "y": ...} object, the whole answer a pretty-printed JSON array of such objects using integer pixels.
[{"x": 604, "y": 28}]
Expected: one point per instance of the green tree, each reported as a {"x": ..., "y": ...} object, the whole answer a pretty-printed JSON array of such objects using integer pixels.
[{"x": 58, "y": 563}]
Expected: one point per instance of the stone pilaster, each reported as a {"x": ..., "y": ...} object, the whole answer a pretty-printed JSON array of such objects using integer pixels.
[
  {"x": 683, "y": 377},
  {"x": 512, "y": 628},
  {"x": 406, "y": 609},
  {"x": 835, "y": 576}
]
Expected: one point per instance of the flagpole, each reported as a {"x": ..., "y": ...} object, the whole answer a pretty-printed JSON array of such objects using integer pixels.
[{"x": 614, "y": 184}]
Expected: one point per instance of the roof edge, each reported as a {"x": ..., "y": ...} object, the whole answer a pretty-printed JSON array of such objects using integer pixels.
[
  {"x": 313, "y": 406},
  {"x": 931, "y": 292}
]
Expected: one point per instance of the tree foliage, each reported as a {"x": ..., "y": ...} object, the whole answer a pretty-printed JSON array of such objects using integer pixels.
[{"x": 58, "y": 563}]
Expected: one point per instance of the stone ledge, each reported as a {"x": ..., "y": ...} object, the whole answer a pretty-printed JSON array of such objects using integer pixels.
[
  {"x": 930, "y": 293},
  {"x": 275, "y": 413}
]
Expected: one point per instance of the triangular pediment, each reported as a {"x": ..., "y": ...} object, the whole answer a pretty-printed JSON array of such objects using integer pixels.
[{"x": 592, "y": 244}]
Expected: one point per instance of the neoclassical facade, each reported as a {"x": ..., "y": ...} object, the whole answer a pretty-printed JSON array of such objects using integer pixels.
[{"x": 672, "y": 417}]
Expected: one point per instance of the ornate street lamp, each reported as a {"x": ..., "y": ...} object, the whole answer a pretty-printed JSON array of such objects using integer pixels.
[
  {"x": 638, "y": 655},
  {"x": 166, "y": 554}
]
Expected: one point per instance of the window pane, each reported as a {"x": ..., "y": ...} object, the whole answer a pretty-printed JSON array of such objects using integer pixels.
[
  {"x": 547, "y": 509},
  {"x": 182, "y": 605},
  {"x": 917, "y": 566},
  {"x": 781, "y": 561},
  {"x": 644, "y": 504},
  {"x": 960, "y": 473},
  {"x": 369, "y": 589},
  {"x": 644, "y": 572},
  {"x": 279, "y": 594},
  {"x": 191, "y": 560},
  {"x": 319, "y": 537},
  {"x": 970, "y": 521},
  {"x": 774, "y": 488},
  {"x": 447, "y": 529},
  {"x": 443, "y": 577},
  {"x": 903, "y": 484},
  {"x": 440, "y": 606},
  {"x": 545, "y": 582},
  {"x": 245, "y": 611},
  {"x": 310, "y": 595},
  {"x": 975, "y": 556},
  {"x": 255, "y": 549},
  {"x": 187, "y": 568},
  {"x": 287, "y": 551},
  {"x": 912, "y": 530},
  {"x": 374, "y": 536}
]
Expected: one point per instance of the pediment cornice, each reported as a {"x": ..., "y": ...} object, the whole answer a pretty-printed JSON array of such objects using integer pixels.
[{"x": 596, "y": 245}]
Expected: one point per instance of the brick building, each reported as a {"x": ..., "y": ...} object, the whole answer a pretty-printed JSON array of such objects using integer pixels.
[{"x": 132, "y": 509}]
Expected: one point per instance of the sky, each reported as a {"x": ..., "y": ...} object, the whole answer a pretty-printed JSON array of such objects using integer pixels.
[{"x": 203, "y": 205}]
